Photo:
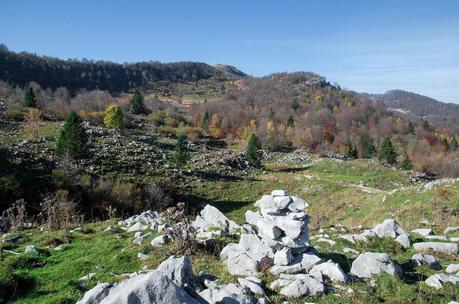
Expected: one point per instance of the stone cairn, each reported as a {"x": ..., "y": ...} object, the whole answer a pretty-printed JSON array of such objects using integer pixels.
[{"x": 280, "y": 245}]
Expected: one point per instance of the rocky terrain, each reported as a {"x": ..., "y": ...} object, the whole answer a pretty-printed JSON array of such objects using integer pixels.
[{"x": 271, "y": 257}]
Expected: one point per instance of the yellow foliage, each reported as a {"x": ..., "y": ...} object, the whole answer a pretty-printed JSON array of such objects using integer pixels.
[{"x": 270, "y": 127}]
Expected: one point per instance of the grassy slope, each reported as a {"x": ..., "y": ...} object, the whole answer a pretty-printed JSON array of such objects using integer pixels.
[{"x": 330, "y": 187}]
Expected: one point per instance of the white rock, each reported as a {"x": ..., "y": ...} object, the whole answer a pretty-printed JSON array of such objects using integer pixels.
[
  {"x": 279, "y": 283},
  {"x": 137, "y": 227},
  {"x": 422, "y": 231},
  {"x": 446, "y": 248},
  {"x": 252, "y": 217},
  {"x": 283, "y": 257},
  {"x": 404, "y": 240},
  {"x": 159, "y": 241},
  {"x": 437, "y": 280},
  {"x": 350, "y": 250},
  {"x": 420, "y": 258},
  {"x": 324, "y": 240},
  {"x": 253, "y": 284},
  {"x": 31, "y": 249},
  {"x": 142, "y": 256},
  {"x": 452, "y": 268},
  {"x": 211, "y": 217},
  {"x": 388, "y": 228},
  {"x": 368, "y": 264},
  {"x": 96, "y": 295},
  {"x": 297, "y": 204},
  {"x": 436, "y": 237},
  {"x": 450, "y": 229},
  {"x": 329, "y": 270},
  {"x": 268, "y": 229},
  {"x": 228, "y": 293},
  {"x": 303, "y": 286},
  {"x": 282, "y": 202}
]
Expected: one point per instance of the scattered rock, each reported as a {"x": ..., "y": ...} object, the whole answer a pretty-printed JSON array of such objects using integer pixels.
[
  {"x": 329, "y": 271},
  {"x": 446, "y": 248},
  {"x": 420, "y": 258},
  {"x": 253, "y": 284},
  {"x": 452, "y": 268},
  {"x": 422, "y": 231},
  {"x": 96, "y": 295},
  {"x": 368, "y": 264},
  {"x": 450, "y": 229},
  {"x": 31, "y": 249},
  {"x": 437, "y": 280}
]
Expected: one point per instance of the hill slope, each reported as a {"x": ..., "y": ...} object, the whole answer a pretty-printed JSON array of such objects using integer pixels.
[{"x": 48, "y": 72}]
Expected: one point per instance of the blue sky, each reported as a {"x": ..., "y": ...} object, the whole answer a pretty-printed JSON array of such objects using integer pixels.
[{"x": 369, "y": 46}]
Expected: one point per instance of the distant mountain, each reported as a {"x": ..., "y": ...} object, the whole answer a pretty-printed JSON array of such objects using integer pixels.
[
  {"x": 49, "y": 72},
  {"x": 418, "y": 104}
]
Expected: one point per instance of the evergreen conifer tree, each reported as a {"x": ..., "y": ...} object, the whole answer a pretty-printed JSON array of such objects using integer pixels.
[
  {"x": 180, "y": 156},
  {"x": 387, "y": 152},
  {"x": 290, "y": 121},
  {"x": 253, "y": 152},
  {"x": 72, "y": 139},
  {"x": 136, "y": 106},
  {"x": 30, "y": 100},
  {"x": 406, "y": 163}
]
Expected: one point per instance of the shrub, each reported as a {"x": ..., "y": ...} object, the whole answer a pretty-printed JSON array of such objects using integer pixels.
[
  {"x": 32, "y": 122},
  {"x": 180, "y": 156},
  {"x": 113, "y": 117},
  {"x": 30, "y": 100},
  {"x": 72, "y": 140},
  {"x": 253, "y": 151},
  {"x": 136, "y": 105},
  {"x": 367, "y": 148},
  {"x": 17, "y": 215},
  {"x": 58, "y": 212}
]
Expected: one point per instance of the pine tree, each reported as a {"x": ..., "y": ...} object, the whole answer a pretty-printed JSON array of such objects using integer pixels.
[
  {"x": 387, "y": 152},
  {"x": 72, "y": 139},
  {"x": 290, "y": 121},
  {"x": 30, "y": 100},
  {"x": 253, "y": 152},
  {"x": 453, "y": 145},
  {"x": 113, "y": 117},
  {"x": 205, "y": 119},
  {"x": 180, "y": 156},
  {"x": 136, "y": 106},
  {"x": 367, "y": 148},
  {"x": 406, "y": 163}
]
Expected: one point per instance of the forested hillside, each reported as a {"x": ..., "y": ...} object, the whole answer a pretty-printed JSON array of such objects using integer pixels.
[{"x": 48, "y": 72}]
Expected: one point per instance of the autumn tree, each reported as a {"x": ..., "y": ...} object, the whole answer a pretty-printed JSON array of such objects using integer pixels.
[
  {"x": 136, "y": 104},
  {"x": 72, "y": 139},
  {"x": 388, "y": 153},
  {"x": 32, "y": 122},
  {"x": 214, "y": 128},
  {"x": 253, "y": 152},
  {"x": 30, "y": 100},
  {"x": 113, "y": 117}
]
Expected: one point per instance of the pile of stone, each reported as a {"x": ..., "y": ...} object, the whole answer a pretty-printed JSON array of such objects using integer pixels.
[
  {"x": 280, "y": 245},
  {"x": 146, "y": 220},
  {"x": 173, "y": 282}
]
